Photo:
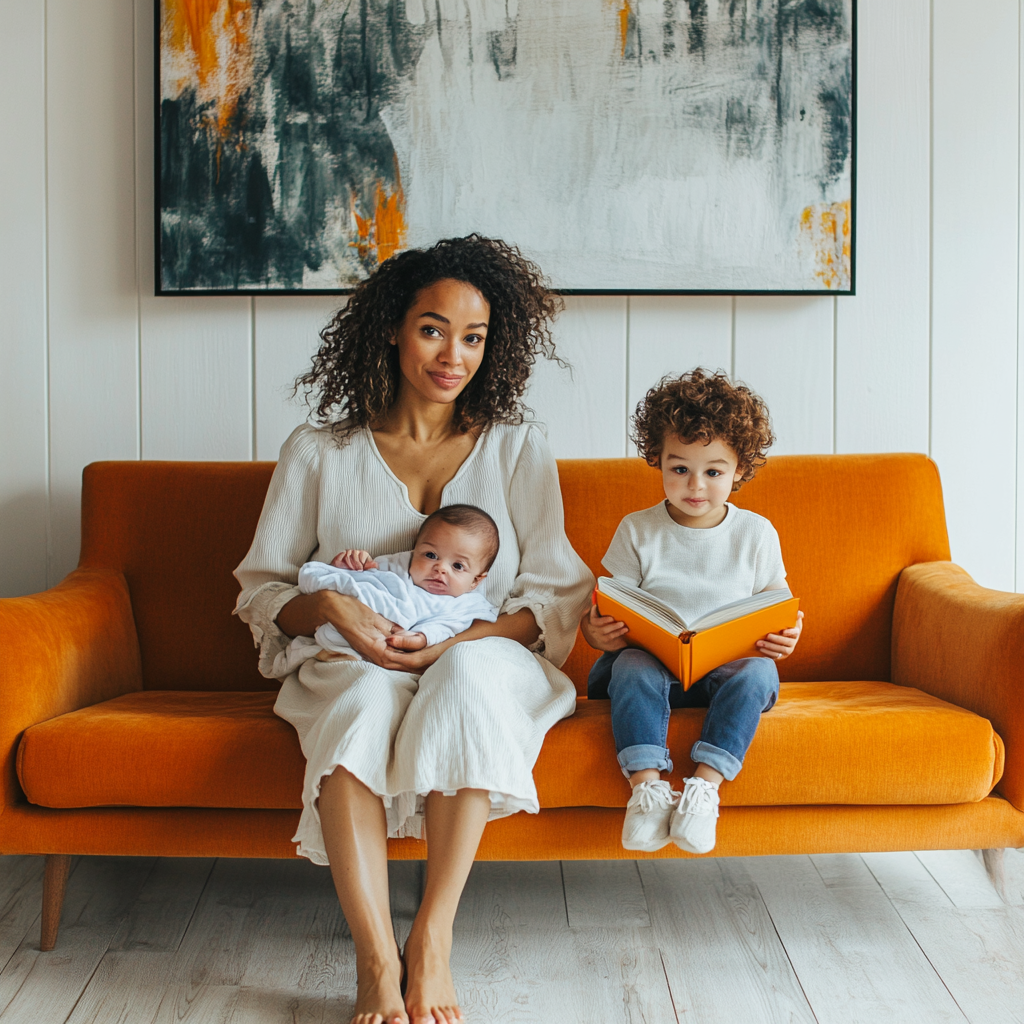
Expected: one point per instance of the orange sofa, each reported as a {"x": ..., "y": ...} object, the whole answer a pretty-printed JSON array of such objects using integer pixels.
[{"x": 133, "y": 720}]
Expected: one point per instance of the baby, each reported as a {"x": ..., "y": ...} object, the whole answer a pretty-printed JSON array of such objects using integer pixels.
[{"x": 430, "y": 593}]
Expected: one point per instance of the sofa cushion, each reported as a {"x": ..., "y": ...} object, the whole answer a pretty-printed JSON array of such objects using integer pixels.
[
  {"x": 165, "y": 748},
  {"x": 823, "y": 743}
]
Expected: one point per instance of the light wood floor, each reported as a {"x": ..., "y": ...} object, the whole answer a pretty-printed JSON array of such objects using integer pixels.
[{"x": 895, "y": 937}]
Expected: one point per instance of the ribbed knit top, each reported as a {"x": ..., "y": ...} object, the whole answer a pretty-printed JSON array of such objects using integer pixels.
[{"x": 327, "y": 495}]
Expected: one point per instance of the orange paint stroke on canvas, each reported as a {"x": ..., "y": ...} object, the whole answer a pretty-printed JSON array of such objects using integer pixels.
[
  {"x": 826, "y": 227},
  {"x": 213, "y": 37},
  {"x": 383, "y": 233},
  {"x": 625, "y": 10}
]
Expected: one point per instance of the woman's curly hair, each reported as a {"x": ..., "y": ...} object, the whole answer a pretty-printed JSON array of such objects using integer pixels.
[
  {"x": 355, "y": 375},
  {"x": 702, "y": 406}
]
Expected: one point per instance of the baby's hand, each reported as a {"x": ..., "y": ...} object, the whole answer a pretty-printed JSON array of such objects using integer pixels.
[
  {"x": 353, "y": 558},
  {"x": 603, "y": 632},
  {"x": 781, "y": 645},
  {"x": 403, "y": 640}
]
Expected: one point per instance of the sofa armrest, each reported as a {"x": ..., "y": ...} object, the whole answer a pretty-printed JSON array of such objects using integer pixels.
[
  {"x": 964, "y": 644},
  {"x": 63, "y": 649}
]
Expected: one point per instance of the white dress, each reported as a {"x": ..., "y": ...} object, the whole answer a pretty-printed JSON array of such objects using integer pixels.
[{"x": 476, "y": 718}]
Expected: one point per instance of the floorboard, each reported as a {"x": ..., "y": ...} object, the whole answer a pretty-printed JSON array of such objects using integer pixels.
[
  {"x": 978, "y": 953},
  {"x": 40, "y": 987},
  {"x": 126, "y": 989},
  {"x": 722, "y": 956},
  {"x": 1014, "y": 868},
  {"x": 604, "y": 894},
  {"x": 880, "y": 938},
  {"x": 517, "y": 959},
  {"x": 165, "y": 906},
  {"x": 21, "y": 895},
  {"x": 962, "y": 877},
  {"x": 855, "y": 959}
]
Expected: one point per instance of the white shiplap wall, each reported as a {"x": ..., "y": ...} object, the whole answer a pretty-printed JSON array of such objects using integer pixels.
[{"x": 924, "y": 358}]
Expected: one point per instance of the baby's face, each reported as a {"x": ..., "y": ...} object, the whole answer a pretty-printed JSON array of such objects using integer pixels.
[{"x": 448, "y": 560}]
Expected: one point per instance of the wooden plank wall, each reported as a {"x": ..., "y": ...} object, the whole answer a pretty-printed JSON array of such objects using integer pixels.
[{"x": 924, "y": 358}]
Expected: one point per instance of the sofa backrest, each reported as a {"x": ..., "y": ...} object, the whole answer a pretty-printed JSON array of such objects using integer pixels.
[{"x": 849, "y": 524}]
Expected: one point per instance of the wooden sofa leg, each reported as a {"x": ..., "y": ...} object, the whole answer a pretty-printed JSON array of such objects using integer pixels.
[
  {"x": 995, "y": 865},
  {"x": 55, "y": 880}
]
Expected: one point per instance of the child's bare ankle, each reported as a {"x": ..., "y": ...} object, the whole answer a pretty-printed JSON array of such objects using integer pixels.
[{"x": 644, "y": 775}]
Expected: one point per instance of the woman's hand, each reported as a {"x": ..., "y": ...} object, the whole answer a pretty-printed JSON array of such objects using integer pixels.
[
  {"x": 781, "y": 645},
  {"x": 363, "y": 628},
  {"x": 603, "y": 632},
  {"x": 520, "y": 626}
]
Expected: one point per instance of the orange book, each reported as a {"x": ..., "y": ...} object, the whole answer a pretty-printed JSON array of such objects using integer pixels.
[{"x": 691, "y": 651}]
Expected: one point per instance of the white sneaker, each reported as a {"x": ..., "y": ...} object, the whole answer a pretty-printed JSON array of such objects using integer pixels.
[
  {"x": 647, "y": 816},
  {"x": 693, "y": 822}
]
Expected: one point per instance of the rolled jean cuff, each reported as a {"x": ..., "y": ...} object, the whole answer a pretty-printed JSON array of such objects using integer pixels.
[
  {"x": 642, "y": 756},
  {"x": 714, "y": 757}
]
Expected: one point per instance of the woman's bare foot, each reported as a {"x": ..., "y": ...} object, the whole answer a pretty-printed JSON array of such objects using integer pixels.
[
  {"x": 430, "y": 992},
  {"x": 378, "y": 993}
]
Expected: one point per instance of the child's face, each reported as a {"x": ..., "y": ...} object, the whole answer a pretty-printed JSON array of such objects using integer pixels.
[
  {"x": 448, "y": 560},
  {"x": 698, "y": 480}
]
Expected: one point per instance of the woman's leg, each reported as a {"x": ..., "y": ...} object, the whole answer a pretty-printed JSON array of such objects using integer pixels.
[
  {"x": 454, "y": 826},
  {"x": 356, "y": 838}
]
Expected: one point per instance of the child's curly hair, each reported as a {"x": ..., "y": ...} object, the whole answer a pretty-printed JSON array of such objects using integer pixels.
[
  {"x": 355, "y": 374},
  {"x": 702, "y": 406}
]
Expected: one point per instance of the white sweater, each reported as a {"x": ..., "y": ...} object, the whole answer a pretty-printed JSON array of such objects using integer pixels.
[
  {"x": 696, "y": 571},
  {"x": 325, "y": 497}
]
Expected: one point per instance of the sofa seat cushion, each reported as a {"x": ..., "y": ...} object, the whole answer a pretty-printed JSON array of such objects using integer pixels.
[
  {"x": 823, "y": 743},
  {"x": 165, "y": 748}
]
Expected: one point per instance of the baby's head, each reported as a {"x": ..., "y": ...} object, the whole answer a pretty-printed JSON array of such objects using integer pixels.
[
  {"x": 454, "y": 549},
  {"x": 707, "y": 435}
]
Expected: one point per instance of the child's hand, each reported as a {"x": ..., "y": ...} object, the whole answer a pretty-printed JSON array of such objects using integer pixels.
[
  {"x": 781, "y": 645},
  {"x": 403, "y": 640},
  {"x": 603, "y": 632},
  {"x": 352, "y": 558}
]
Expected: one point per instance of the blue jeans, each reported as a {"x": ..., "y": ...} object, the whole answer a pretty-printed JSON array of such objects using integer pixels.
[{"x": 642, "y": 691}]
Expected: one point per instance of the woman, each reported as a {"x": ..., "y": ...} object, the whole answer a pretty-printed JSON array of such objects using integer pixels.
[{"x": 428, "y": 364}]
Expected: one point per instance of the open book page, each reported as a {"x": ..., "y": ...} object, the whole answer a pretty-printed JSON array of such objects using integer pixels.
[
  {"x": 744, "y": 606},
  {"x": 650, "y": 607},
  {"x": 661, "y": 614}
]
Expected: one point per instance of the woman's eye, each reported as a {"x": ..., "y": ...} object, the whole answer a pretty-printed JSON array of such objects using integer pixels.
[{"x": 431, "y": 332}]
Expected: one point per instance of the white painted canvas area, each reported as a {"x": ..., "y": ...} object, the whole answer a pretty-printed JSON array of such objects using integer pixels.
[{"x": 623, "y": 168}]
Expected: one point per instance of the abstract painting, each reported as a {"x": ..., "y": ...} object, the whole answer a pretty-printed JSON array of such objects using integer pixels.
[{"x": 625, "y": 145}]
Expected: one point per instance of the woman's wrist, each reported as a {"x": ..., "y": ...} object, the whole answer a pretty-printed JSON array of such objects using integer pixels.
[{"x": 305, "y": 613}]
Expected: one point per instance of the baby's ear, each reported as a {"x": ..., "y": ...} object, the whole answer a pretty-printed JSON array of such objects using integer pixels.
[{"x": 477, "y": 579}]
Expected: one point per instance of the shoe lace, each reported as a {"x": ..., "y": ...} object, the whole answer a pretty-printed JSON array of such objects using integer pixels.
[
  {"x": 653, "y": 794},
  {"x": 700, "y": 799}
]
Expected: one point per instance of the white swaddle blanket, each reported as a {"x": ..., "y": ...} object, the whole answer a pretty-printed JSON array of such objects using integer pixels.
[{"x": 389, "y": 591}]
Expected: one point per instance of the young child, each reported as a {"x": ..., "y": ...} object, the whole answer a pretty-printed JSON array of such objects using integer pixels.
[
  {"x": 429, "y": 592},
  {"x": 696, "y": 551}
]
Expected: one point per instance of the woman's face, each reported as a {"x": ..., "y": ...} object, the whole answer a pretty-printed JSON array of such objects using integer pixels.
[{"x": 441, "y": 340}]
